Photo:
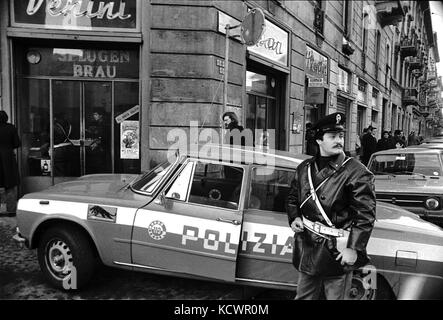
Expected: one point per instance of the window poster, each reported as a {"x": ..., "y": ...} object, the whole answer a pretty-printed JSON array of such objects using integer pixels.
[{"x": 129, "y": 140}]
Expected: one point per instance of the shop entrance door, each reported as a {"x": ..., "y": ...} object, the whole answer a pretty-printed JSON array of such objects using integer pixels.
[{"x": 82, "y": 113}]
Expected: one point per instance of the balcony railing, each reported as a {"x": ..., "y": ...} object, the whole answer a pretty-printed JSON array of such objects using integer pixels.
[
  {"x": 415, "y": 63},
  {"x": 389, "y": 12},
  {"x": 408, "y": 47},
  {"x": 410, "y": 96},
  {"x": 417, "y": 73}
]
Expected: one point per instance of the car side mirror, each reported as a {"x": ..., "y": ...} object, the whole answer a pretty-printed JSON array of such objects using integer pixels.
[{"x": 163, "y": 201}]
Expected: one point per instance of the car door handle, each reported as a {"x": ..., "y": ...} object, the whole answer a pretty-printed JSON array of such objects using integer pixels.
[
  {"x": 44, "y": 202},
  {"x": 236, "y": 222}
]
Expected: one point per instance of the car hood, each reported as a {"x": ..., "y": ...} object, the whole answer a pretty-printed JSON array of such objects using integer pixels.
[
  {"x": 407, "y": 184},
  {"x": 401, "y": 219},
  {"x": 96, "y": 185}
]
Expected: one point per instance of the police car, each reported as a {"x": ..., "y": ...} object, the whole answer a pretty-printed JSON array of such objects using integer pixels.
[
  {"x": 412, "y": 178},
  {"x": 216, "y": 215}
]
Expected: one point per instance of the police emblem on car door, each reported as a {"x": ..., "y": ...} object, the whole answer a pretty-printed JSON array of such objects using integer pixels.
[{"x": 194, "y": 225}]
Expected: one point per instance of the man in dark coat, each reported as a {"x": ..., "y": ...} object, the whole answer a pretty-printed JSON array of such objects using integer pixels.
[
  {"x": 9, "y": 177},
  {"x": 385, "y": 142},
  {"x": 345, "y": 191},
  {"x": 368, "y": 145}
]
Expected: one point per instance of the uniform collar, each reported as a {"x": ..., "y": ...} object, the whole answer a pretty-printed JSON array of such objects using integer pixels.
[
  {"x": 334, "y": 164},
  {"x": 330, "y": 169}
]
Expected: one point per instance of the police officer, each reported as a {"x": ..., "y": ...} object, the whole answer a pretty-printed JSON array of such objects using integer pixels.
[{"x": 340, "y": 201}]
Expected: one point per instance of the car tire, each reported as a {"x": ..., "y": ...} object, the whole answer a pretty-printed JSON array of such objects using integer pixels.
[{"x": 66, "y": 257}]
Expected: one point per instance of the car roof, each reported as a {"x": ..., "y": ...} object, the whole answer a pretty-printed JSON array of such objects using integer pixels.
[
  {"x": 410, "y": 150},
  {"x": 430, "y": 145},
  {"x": 247, "y": 155}
]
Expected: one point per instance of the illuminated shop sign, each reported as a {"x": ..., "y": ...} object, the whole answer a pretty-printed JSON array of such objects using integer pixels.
[
  {"x": 273, "y": 44},
  {"x": 81, "y": 63},
  {"x": 115, "y": 15},
  {"x": 316, "y": 65}
]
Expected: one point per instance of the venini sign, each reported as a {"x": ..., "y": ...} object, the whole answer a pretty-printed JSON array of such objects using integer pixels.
[{"x": 115, "y": 15}]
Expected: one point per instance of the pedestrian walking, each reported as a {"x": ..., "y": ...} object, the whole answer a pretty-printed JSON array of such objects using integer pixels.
[
  {"x": 399, "y": 139},
  {"x": 330, "y": 194},
  {"x": 369, "y": 144},
  {"x": 385, "y": 142},
  {"x": 9, "y": 176},
  {"x": 413, "y": 139}
]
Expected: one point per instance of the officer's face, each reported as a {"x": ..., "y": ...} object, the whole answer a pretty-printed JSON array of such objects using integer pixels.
[{"x": 332, "y": 143}]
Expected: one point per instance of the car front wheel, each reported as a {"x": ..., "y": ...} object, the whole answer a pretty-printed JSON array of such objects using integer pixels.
[
  {"x": 66, "y": 257},
  {"x": 363, "y": 289}
]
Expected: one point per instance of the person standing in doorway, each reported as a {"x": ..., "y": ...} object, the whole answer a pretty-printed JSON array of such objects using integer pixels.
[
  {"x": 97, "y": 160},
  {"x": 329, "y": 195},
  {"x": 9, "y": 175},
  {"x": 311, "y": 144},
  {"x": 368, "y": 144}
]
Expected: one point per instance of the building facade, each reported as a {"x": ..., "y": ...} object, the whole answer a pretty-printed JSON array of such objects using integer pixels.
[{"x": 101, "y": 86}]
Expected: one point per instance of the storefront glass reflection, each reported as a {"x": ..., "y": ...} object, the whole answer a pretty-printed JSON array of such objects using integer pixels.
[{"x": 74, "y": 123}]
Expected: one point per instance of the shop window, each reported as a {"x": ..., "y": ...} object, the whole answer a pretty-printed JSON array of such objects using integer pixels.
[
  {"x": 33, "y": 112},
  {"x": 78, "y": 112},
  {"x": 361, "y": 93},
  {"x": 264, "y": 111},
  {"x": 374, "y": 118},
  {"x": 344, "y": 80}
]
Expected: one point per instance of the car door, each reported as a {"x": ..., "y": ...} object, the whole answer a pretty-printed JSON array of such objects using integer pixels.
[
  {"x": 194, "y": 226},
  {"x": 265, "y": 254}
]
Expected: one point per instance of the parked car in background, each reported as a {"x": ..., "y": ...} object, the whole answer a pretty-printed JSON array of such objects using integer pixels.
[
  {"x": 412, "y": 178},
  {"x": 208, "y": 217}
]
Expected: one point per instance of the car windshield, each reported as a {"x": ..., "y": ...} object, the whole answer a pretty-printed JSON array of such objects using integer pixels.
[
  {"x": 406, "y": 164},
  {"x": 151, "y": 179}
]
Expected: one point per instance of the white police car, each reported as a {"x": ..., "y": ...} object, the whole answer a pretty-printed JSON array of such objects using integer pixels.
[{"x": 212, "y": 217}]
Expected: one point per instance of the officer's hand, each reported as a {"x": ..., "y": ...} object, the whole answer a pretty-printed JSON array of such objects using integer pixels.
[
  {"x": 348, "y": 256},
  {"x": 297, "y": 225}
]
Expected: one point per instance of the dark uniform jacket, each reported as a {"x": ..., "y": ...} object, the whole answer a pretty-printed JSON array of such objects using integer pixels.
[
  {"x": 348, "y": 198},
  {"x": 9, "y": 141}
]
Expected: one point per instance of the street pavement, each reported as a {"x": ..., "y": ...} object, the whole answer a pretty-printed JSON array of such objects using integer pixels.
[{"x": 21, "y": 279}]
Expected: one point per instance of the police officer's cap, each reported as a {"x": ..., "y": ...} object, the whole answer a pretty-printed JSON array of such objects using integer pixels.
[{"x": 334, "y": 122}]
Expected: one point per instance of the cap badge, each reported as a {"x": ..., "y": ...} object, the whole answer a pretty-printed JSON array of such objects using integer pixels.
[{"x": 338, "y": 118}]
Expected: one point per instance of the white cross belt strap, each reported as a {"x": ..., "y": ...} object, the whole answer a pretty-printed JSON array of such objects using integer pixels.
[
  {"x": 314, "y": 195},
  {"x": 317, "y": 227}
]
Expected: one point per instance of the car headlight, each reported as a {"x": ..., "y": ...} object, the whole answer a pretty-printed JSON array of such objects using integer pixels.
[{"x": 432, "y": 203}]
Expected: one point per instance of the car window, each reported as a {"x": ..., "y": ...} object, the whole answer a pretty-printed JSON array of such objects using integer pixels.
[
  {"x": 406, "y": 164},
  {"x": 179, "y": 189},
  {"x": 216, "y": 185},
  {"x": 149, "y": 181},
  {"x": 269, "y": 188}
]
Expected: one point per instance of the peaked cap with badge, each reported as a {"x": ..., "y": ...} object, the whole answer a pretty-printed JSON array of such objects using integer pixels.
[{"x": 334, "y": 122}]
